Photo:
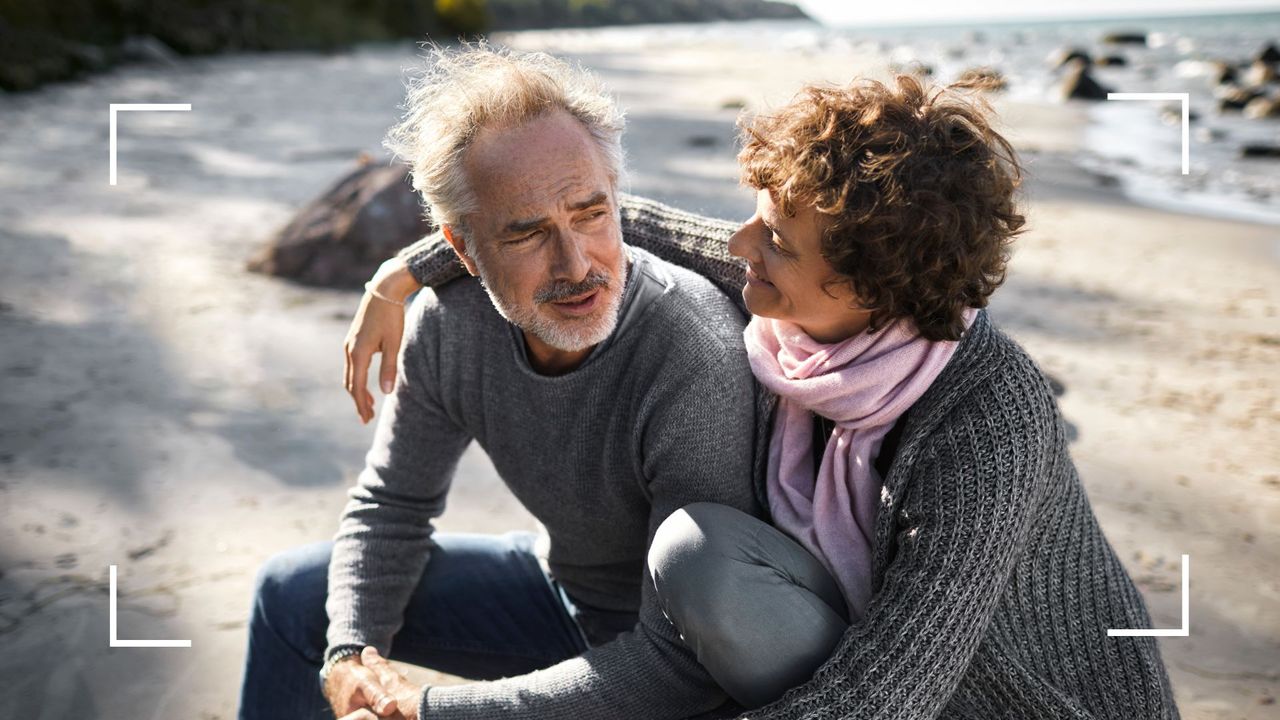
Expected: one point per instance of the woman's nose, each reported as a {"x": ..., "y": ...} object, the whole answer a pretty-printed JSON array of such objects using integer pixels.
[{"x": 740, "y": 243}]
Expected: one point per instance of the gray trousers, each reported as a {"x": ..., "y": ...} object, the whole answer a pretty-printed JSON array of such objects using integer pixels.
[{"x": 760, "y": 613}]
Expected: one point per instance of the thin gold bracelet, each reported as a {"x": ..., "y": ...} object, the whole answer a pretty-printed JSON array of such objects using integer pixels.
[{"x": 374, "y": 292}]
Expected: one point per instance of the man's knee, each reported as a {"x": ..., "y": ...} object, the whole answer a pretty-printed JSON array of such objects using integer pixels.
[{"x": 289, "y": 594}]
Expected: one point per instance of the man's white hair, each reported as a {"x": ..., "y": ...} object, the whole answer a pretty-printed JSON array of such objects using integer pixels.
[{"x": 475, "y": 86}]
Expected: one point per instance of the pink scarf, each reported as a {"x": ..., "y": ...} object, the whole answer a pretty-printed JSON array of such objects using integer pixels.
[{"x": 862, "y": 384}]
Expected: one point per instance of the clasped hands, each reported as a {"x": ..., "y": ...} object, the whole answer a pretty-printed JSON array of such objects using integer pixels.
[{"x": 366, "y": 687}]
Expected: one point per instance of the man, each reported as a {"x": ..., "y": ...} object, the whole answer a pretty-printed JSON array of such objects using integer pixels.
[{"x": 608, "y": 388}]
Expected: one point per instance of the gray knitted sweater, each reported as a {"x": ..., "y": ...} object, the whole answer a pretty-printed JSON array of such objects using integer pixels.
[
  {"x": 994, "y": 585},
  {"x": 658, "y": 416}
]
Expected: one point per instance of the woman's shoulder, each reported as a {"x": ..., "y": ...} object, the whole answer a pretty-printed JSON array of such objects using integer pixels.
[{"x": 992, "y": 391}]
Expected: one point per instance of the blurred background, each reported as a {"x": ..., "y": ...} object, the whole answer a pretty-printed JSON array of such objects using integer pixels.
[{"x": 171, "y": 398}]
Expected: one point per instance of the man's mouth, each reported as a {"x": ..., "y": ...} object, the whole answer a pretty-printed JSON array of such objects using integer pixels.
[{"x": 578, "y": 304}]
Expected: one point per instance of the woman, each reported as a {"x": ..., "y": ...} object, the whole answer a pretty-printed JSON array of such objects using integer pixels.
[{"x": 932, "y": 552}]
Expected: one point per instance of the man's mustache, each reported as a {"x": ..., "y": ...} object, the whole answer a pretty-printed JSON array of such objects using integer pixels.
[{"x": 562, "y": 290}]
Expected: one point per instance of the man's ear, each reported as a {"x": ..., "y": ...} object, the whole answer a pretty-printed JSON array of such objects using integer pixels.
[{"x": 460, "y": 247}]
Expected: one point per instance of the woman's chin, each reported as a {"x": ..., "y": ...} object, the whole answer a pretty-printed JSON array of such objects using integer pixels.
[{"x": 758, "y": 306}]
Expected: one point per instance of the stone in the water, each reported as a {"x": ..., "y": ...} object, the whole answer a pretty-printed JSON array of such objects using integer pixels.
[
  {"x": 1262, "y": 107},
  {"x": 1260, "y": 151},
  {"x": 1111, "y": 61},
  {"x": 1062, "y": 57},
  {"x": 1233, "y": 97},
  {"x": 1223, "y": 73},
  {"x": 1080, "y": 85},
  {"x": 1125, "y": 38},
  {"x": 984, "y": 78},
  {"x": 1269, "y": 54},
  {"x": 340, "y": 238},
  {"x": 1259, "y": 73}
]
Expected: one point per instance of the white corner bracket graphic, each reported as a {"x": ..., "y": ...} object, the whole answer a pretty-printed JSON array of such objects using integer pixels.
[
  {"x": 1185, "y": 98},
  {"x": 135, "y": 643},
  {"x": 137, "y": 107},
  {"x": 1183, "y": 631}
]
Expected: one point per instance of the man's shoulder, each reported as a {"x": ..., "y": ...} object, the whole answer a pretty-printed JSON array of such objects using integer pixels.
[
  {"x": 691, "y": 302},
  {"x": 459, "y": 305}
]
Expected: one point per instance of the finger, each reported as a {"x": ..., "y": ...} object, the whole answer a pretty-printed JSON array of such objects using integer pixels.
[
  {"x": 360, "y": 356},
  {"x": 374, "y": 692},
  {"x": 361, "y": 714},
  {"x": 387, "y": 675},
  {"x": 388, "y": 375}
]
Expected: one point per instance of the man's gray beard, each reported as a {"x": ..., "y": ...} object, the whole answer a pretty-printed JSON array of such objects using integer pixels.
[{"x": 567, "y": 336}]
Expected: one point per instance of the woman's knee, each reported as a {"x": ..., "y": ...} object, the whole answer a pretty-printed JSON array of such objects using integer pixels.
[{"x": 692, "y": 556}]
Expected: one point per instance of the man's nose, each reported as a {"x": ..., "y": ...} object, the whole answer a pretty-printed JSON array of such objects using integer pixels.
[{"x": 572, "y": 261}]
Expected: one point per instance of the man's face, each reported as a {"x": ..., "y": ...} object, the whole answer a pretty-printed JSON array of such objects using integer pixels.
[{"x": 546, "y": 240}]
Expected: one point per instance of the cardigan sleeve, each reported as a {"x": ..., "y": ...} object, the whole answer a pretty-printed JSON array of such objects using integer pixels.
[
  {"x": 691, "y": 241},
  {"x": 966, "y": 512}
]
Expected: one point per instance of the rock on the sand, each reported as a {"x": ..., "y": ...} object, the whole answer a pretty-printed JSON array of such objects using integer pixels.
[
  {"x": 1080, "y": 85},
  {"x": 340, "y": 238}
]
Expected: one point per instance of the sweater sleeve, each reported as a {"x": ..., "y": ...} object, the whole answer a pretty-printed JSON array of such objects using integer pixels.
[
  {"x": 697, "y": 446},
  {"x": 966, "y": 514},
  {"x": 691, "y": 241},
  {"x": 384, "y": 536}
]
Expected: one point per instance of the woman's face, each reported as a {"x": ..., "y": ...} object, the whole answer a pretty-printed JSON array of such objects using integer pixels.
[{"x": 787, "y": 277}]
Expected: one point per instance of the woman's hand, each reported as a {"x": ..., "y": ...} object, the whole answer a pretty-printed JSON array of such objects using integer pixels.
[{"x": 377, "y": 328}]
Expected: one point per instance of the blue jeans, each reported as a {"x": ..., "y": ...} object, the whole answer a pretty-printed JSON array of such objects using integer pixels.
[{"x": 484, "y": 609}]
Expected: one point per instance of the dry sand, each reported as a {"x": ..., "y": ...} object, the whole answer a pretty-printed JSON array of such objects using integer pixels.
[{"x": 165, "y": 411}]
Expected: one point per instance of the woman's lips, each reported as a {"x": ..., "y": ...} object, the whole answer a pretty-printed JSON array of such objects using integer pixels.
[
  {"x": 579, "y": 305},
  {"x": 752, "y": 277}
]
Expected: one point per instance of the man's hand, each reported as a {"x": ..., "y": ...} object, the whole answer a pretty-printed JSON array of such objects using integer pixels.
[
  {"x": 351, "y": 687},
  {"x": 407, "y": 696},
  {"x": 377, "y": 327}
]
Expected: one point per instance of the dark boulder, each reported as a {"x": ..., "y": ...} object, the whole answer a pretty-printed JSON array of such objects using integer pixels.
[
  {"x": 1111, "y": 61},
  {"x": 341, "y": 237},
  {"x": 1268, "y": 54},
  {"x": 1078, "y": 84}
]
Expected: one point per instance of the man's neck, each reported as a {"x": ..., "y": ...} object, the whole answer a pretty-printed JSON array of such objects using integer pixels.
[{"x": 548, "y": 360}]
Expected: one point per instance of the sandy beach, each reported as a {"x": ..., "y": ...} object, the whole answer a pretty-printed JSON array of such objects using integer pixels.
[{"x": 165, "y": 411}]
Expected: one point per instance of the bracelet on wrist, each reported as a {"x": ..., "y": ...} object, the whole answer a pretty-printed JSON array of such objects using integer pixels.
[
  {"x": 334, "y": 659},
  {"x": 373, "y": 290}
]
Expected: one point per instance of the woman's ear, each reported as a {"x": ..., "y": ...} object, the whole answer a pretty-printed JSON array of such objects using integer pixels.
[{"x": 459, "y": 246}]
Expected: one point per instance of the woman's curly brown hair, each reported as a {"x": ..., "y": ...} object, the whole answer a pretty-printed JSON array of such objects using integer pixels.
[{"x": 917, "y": 188}]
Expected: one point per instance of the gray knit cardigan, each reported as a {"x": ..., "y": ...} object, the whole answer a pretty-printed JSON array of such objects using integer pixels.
[{"x": 994, "y": 586}]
